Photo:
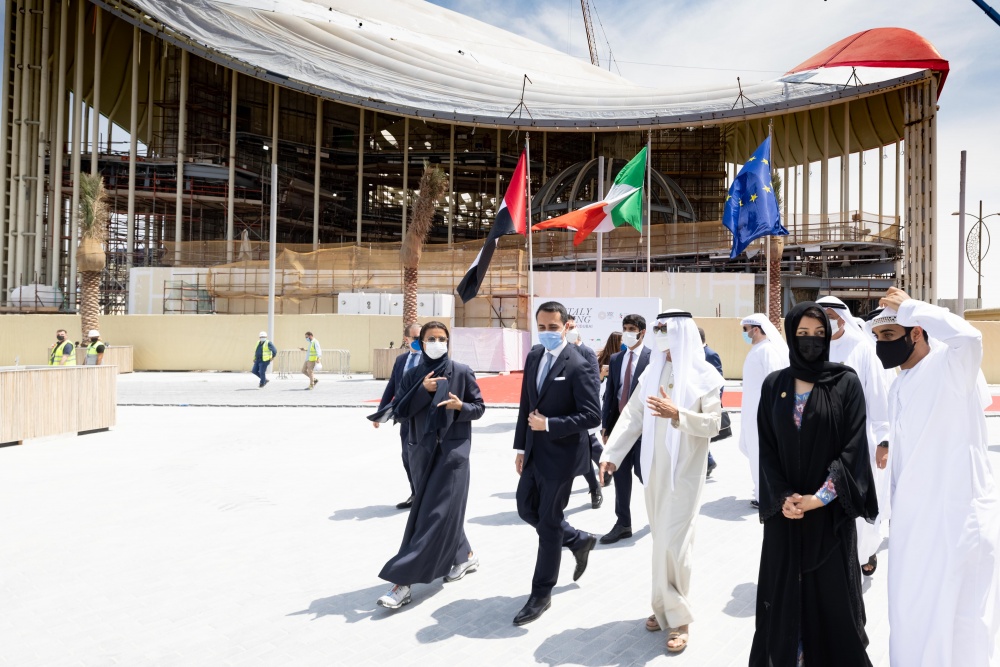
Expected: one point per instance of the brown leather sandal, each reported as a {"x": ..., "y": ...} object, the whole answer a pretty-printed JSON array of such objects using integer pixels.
[
  {"x": 652, "y": 624},
  {"x": 679, "y": 636}
]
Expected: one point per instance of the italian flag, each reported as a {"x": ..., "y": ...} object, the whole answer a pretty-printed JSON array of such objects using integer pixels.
[{"x": 621, "y": 206}]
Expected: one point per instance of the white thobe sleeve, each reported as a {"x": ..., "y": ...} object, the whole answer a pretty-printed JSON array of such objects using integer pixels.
[
  {"x": 628, "y": 428},
  {"x": 964, "y": 341},
  {"x": 876, "y": 395},
  {"x": 704, "y": 424}
]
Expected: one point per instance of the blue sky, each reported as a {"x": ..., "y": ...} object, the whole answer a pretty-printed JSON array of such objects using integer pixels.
[{"x": 707, "y": 43}]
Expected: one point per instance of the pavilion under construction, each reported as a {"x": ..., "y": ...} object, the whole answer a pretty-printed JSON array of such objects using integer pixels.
[{"x": 184, "y": 106}]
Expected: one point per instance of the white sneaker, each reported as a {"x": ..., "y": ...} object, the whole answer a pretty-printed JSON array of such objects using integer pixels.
[
  {"x": 395, "y": 598},
  {"x": 462, "y": 569}
]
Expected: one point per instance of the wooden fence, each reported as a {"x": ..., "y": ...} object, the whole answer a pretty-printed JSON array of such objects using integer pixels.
[
  {"x": 119, "y": 356},
  {"x": 37, "y": 401}
]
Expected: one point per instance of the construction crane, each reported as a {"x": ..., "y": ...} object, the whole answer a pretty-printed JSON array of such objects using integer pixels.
[
  {"x": 589, "y": 25},
  {"x": 992, "y": 13}
]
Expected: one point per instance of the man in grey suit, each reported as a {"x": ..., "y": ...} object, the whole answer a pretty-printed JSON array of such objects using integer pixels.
[{"x": 623, "y": 377}]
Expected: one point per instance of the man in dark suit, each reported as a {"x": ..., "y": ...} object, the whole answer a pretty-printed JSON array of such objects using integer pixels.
[
  {"x": 712, "y": 357},
  {"x": 623, "y": 377},
  {"x": 560, "y": 402},
  {"x": 403, "y": 363},
  {"x": 573, "y": 337}
]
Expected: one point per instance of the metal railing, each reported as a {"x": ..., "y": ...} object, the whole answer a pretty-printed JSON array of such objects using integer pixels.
[{"x": 290, "y": 362}]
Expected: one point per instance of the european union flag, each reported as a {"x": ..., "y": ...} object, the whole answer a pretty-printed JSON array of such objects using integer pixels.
[{"x": 751, "y": 210}]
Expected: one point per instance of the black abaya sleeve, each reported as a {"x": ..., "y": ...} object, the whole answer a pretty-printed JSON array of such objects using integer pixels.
[
  {"x": 852, "y": 471},
  {"x": 472, "y": 400},
  {"x": 774, "y": 487}
]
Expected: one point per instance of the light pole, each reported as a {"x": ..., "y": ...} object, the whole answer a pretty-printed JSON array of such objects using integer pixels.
[{"x": 975, "y": 241}]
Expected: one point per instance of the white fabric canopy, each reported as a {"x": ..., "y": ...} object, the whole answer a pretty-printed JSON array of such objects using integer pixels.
[{"x": 418, "y": 59}]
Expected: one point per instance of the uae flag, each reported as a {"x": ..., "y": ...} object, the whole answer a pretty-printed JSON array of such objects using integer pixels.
[
  {"x": 509, "y": 220},
  {"x": 621, "y": 206}
]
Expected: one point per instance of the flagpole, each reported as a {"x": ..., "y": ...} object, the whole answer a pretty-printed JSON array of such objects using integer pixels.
[
  {"x": 767, "y": 241},
  {"x": 649, "y": 206},
  {"x": 531, "y": 258},
  {"x": 600, "y": 235}
]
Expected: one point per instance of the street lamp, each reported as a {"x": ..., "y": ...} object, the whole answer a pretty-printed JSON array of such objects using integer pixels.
[{"x": 975, "y": 240}]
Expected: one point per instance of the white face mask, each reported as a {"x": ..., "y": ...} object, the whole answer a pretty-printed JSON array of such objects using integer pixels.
[
  {"x": 630, "y": 338},
  {"x": 662, "y": 342},
  {"x": 572, "y": 336},
  {"x": 435, "y": 350},
  {"x": 834, "y": 326}
]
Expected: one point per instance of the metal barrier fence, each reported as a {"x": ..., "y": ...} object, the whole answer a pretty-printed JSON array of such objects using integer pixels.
[{"x": 290, "y": 362}]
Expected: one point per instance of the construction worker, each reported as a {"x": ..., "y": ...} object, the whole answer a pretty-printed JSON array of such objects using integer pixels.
[
  {"x": 95, "y": 351},
  {"x": 262, "y": 358},
  {"x": 314, "y": 353},
  {"x": 63, "y": 353}
]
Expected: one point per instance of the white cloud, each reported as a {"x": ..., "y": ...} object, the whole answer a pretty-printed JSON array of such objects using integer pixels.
[{"x": 706, "y": 44}]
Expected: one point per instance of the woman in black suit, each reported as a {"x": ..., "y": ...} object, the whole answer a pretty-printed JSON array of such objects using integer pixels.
[{"x": 440, "y": 399}]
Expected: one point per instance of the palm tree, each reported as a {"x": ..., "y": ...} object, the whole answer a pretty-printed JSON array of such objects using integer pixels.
[
  {"x": 90, "y": 257},
  {"x": 774, "y": 269},
  {"x": 432, "y": 186}
]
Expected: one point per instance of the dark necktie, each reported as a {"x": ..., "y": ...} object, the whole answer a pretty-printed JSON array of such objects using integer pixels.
[
  {"x": 545, "y": 371},
  {"x": 626, "y": 385}
]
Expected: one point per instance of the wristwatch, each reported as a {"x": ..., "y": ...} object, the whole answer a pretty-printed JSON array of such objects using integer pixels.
[{"x": 884, "y": 443}]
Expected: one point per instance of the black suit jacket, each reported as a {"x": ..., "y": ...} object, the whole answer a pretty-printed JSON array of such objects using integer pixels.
[
  {"x": 392, "y": 388},
  {"x": 570, "y": 399},
  {"x": 610, "y": 412}
]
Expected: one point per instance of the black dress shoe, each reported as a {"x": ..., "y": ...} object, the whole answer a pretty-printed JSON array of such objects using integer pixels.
[
  {"x": 608, "y": 479},
  {"x": 712, "y": 465},
  {"x": 617, "y": 533},
  {"x": 582, "y": 554},
  {"x": 406, "y": 504},
  {"x": 532, "y": 609},
  {"x": 596, "y": 499}
]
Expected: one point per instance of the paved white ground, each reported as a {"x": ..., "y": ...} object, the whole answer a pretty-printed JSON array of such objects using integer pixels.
[{"x": 250, "y": 536}]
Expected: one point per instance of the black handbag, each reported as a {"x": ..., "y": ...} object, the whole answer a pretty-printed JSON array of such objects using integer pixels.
[{"x": 727, "y": 428}]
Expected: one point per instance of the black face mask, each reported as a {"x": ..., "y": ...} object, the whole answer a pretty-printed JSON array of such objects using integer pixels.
[
  {"x": 811, "y": 347},
  {"x": 60, "y": 337},
  {"x": 893, "y": 353}
]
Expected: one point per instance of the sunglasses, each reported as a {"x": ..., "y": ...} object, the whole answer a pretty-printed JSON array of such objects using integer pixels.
[
  {"x": 435, "y": 339},
  {"x": 659, "y": 328}
]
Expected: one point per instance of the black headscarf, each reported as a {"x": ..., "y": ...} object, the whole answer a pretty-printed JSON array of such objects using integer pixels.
[
  {"x": 809, "y": 371},
  {"x": 440, "y": 418}
]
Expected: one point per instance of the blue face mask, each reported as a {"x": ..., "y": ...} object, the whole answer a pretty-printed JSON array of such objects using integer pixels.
[
  {"x": 747, "y": 339},
  {"x": 415, "y": 345},
  {"x": 624, "y": 347},
  {"x": 550, "y": 339}
]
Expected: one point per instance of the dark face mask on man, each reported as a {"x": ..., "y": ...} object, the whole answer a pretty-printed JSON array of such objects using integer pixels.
[
  {"x": 811, "y": 347},
  {"x": 893, "y": 353}
]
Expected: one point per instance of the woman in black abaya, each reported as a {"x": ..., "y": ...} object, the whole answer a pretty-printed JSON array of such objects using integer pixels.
[
  {"x": 440, "y": 398},
  {"x": 815, "y": 480}
]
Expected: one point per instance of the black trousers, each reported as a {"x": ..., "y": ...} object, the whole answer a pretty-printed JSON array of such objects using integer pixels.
[
  {"x": 404, "y": 436},
  {"x": 623, "y": 486},
  {"x": 596, "y": 449},
  {"x": 540, "y": 503}
]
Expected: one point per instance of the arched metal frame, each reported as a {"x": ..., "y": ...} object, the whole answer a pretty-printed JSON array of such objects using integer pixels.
[{"x": 560, "y": 194}]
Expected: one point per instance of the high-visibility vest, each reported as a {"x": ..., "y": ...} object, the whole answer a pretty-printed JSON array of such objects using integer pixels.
[
  {"x": 265, "y": 351},
  {"x": 92, "y": 352},
  {"x": 55, "y": 357},
  {"x": 312, "y": 351}
]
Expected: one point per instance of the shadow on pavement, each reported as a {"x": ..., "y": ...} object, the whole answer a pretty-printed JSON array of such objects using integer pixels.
[
  {"x": 629, "y": 644},
  {"x": 490, "y": 618},
  {"x": 744, "y": 602},
  {"x": 505, "y": 495},
  {"x": 729, "y": 509},
  {"x": 360, "y": 605},
  {"x": 507, "y": 427},
  {"x": 498, "y": 519},
  {"x": 365, "y": 513},
  {"x": 628, "y": 541}
]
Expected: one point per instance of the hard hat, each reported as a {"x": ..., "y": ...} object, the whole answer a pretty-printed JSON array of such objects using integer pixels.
[
  {"x": 94, "y": 333},
  {"x": 263, "y": 334}
]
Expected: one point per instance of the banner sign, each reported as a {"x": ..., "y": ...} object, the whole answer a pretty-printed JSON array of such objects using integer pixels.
[{"x": 598, "y": 317}]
